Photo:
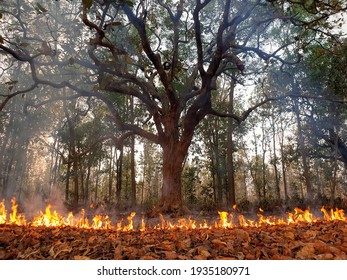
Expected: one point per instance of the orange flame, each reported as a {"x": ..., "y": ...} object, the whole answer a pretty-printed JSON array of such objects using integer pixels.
[
  {"x": 338, "y": 214},
  {"x": 226, "y": 220},
  {"x": 224, "y": 223},
  {"x": 3, "y": 212},
  {"x": 14, "y": 217}
]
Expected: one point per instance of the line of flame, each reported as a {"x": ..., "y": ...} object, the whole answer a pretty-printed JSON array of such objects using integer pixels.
[{"x": 54, "y": 219}]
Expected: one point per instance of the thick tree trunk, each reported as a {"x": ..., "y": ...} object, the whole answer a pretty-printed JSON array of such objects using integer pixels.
[{"x": 173, "y": 158}]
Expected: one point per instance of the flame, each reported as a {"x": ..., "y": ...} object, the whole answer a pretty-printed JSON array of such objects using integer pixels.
[
  {"x": 338, "y": 214},
  {"x": 14, "y": 217},
  {"x": 3, "y": 212},
  {"x": 130, "y": 226},
  {"x": 50, "y": 218},
  {"x": 224, "y": 223},
  {"x": 143, "y": 224}
]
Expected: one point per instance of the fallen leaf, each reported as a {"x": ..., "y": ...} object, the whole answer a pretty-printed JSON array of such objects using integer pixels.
[
  {"x": 218, "y": 244},
  {"x": 81, "y": 258},
  {"x": 324, "y": 257},
  {"x": 170, "y": 255},
  {"x": 306, "y": 252},
  {"x": 241, "y": 235},
  {"x": 203, "y": 251},
  {"x": 289, "y": 235}
]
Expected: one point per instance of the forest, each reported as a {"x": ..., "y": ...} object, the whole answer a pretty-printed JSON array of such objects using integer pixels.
[{"x": 172, "y": 105}]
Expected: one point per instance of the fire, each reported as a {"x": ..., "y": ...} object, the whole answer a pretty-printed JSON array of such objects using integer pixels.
[
  {"x": 50, "y": 218},
  {"x": 130, "y": 223},
  {"x": 224, "y": 222},
  {"x": 15, "y": 218},
  {"x": 338, "y": 214},
  {"x": 3, "y": 212}
]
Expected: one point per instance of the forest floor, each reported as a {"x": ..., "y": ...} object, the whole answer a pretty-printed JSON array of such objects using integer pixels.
[{"x": 318, "y": 240}]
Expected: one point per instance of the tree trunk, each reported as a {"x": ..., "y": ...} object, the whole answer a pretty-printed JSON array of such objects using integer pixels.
[
  {"x": 216, "y": 165},
  {"x": 55, "y": 165},
  {"x": 304, "y": 153},
  {"x": 119, "y": 177},
  {"x": 132, "y": 156},
  {"x": 97, "y": 183},
  {"x": 334, "y": 175},
  {"x": 87, "y": 192},
  {"x": 110, "y": 176},
  {"x": 173, "y": 158},
  {"x": 231, "y": 195},
  {"x": 75, "y": 180},
  {"x": 73, "y": 155},
  {"x": 283, "y": 165},
  {"x": 3, "y": 158},
  {"x": 264, "y": 143},
  {"x": 255, "y": 170},
  {"x": 133, "y": 174},
  {"x": 81, "y": 171},
  {"x": 277, "y": 177},
  {"x": 67, "y": 183}
]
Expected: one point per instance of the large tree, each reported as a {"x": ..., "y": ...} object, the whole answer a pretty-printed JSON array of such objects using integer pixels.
[{"x": 168, "y": 55}]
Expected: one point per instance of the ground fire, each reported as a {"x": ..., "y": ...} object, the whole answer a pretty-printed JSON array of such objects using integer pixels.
[
  {"x": 51, "y": 218},
  {"x": 298, "y": 234}
]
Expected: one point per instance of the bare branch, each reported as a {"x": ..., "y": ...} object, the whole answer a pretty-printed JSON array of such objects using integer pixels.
[
  {"x": 155, "y": 58},
  {"x": 19, "y": 92}
]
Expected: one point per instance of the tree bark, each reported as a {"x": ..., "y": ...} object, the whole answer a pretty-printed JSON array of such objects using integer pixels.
[
  {"x": 67, "y": 183},
  {"x": 119, "y": 177},
  {"x": 333, "y": 182},
  {"x": 283, "y": 165},
  {"x": 110, "y": 176},
  {"x": 73, "y": 155},
  {"x": 173, "y": 158},
  {"x": 97, "y": 183},
  {"x": 304, "y": 153},
  {"x": 132, "y": 156},
  {"x": 231, "y": 195},
  {"x": 87, "y": 183},
  {"x": 3, "y": 159},
  {"x": 277, "y": 177}
]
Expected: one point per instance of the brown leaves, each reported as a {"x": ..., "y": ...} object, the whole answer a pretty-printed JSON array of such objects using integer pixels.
[{"x": 321, "y": 241}]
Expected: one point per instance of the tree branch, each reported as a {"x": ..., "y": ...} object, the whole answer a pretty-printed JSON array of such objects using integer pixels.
[{"x": 153, "y": 57}]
